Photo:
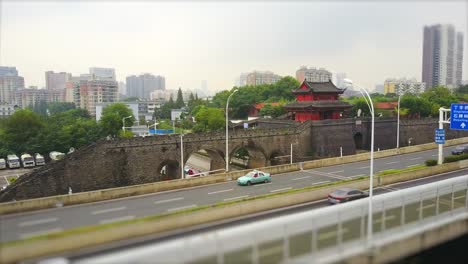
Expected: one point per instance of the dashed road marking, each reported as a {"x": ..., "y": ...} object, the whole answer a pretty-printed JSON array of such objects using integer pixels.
[
  {"x": 42, "y": 232},
  {"x": 117, "y": 219},
  {"x": 228, "y": 190},
  {"x": 38, "y": 222},
  {"x": 282, "y": 189},
  {"x": 181, "y": 208},
  {"x": 301, "y": 178},
  {"x": 236, "y": 198},
  {"x": 108, "y": 210},
  {"x": 169, "y": 200}
]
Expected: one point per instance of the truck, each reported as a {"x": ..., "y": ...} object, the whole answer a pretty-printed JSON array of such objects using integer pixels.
[
  {"x": 55, "y": 155},
  {"x": 13, "y": 161},
  {"x": 2, "y": 164},
  {"x": 27, "y": 160},
  {"x": 39, "y": 159}
]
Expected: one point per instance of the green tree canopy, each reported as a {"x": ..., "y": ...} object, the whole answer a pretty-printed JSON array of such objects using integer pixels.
[
  {"x": 112, "y": 116},
  {"x": 180, "y": 99},
  {"x": 19, "y": 129},
  {"x": 209, "y": 119}
]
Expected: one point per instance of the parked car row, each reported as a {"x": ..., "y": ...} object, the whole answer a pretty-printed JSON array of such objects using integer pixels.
[{"x": 12, "y": 161}]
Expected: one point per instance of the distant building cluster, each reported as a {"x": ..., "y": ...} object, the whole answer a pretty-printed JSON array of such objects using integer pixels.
[
  {"x": 403, "y": 86},
  {"x": 261, "y": 77},
  {"x": 143, "y": 85},
  {"x": 313, "y": 75}
]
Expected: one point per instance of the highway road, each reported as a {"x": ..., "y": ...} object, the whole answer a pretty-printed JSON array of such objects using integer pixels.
[
  {"x": 128, "y": 245},
  {"x": 18, "y": 226}
]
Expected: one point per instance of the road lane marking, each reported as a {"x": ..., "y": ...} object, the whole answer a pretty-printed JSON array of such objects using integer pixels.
[
  {"x": 282, "y": 189},
  {"x": 434, "y": 155},
  {"x": 260, "y": 185},
  {"x": 42, "y": 232},
  {"x": 416, "y": 158},
  {"x": 325, "y": 174},
  {"x": 414, "y": 165},
  {"x": 38, "y": 222},
  {"x": 333, "y": 172},
  {"x": 228, "y": 190},
  {"x": 393, "y": 162},
  {"x": 301, "y": 178},
  {"x": 169, "y": 200},
  {"x": 180, "y": 208},
  {"x": 235, "y": 198},
  {"x": 366, "y": 167},
  {"x": 317, "y": 183},
  {"x": 108, "y": 210},
  {"x": 356, "y": 176},
  {"x": 117, "y": 219}
]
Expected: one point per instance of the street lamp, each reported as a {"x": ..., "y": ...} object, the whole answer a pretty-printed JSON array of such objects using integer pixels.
[
  {"x": 227, "y": 131},
  {"x": 398, "y": 124},
  {"x": 182, "y": 156},
  {"x": 123, "y": 123},
  {"x": 371, "y": 177}
]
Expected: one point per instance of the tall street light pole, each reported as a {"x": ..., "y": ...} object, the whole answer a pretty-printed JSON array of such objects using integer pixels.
[
  {"x": 371, "y": 177},
  {"x": 123, "y": 123},
  {"x": 398, "y": 124},
  {"x": 182, "y": 156},
  {"x": 227, "y": 130}
]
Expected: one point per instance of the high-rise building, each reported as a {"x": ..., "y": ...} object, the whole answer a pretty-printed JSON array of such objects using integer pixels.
[
  {"x": 92, "y": 92},
  {"x": 403, "y": 86},
  {"x": 442, "y": 56},
  {"x": 56, "y": 80},
  {"x": 106, "y": 74},
  {"x": 313, "y": 75},
  {"x": 143, "y": 85},
  {"x": 8, "y": 71},
  {"x": 261, "y": 77},
  {"x": 122, "y": 88},
  {"x": 9, "y": 83}
]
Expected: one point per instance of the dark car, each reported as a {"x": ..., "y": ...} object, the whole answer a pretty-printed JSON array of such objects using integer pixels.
[
  {"x": 460, "y": 150},
  {"x": 346, "y": 194}
]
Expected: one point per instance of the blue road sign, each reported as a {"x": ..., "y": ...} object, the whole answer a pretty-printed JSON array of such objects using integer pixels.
[
  {"x": 459, "y": 117},
  {"x": 440, "y": 136}
]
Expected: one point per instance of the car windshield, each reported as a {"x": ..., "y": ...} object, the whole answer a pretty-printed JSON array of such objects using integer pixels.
[{"x": 340, "y": 192}]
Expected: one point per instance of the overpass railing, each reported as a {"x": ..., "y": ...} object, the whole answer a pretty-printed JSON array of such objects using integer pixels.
[{"x": 316, "y": 234}]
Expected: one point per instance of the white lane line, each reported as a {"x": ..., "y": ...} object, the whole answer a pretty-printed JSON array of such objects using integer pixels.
[
  {"x": 317, "y": 183},
  {"x": 416, "y": 158},
  {"x": 260, "y": 185},
  {"x": 38, "y": 222},
  {"x": 434, "y": 155},
  {"x": 414, "y": 165},
  {"x": 325, "y": 174},
  {"x": 336, "y": 171},
  {"x": 356, "y": 176},
  {"x": 43, "y": 232},
  {"x": 366, "y": 167},
  {"x": 169, "y": 200},
  {"x": 236, "y": 198},
  {"x": 180, "y": 208},
  {"x": 228, "y": 190},
  {"x": 301, "y": 178},
  {"x": 282, "y": 189},
  {"x": 117, "y": 219},
  {"x": 393, "y": 162},
  {"x": 108, "y": 210}
]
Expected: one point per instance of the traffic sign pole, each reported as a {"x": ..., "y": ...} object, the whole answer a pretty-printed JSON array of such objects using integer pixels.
[{"x": 441, "y": 146}]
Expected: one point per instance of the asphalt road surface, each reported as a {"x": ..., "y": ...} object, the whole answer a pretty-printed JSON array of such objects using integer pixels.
[{"x": 24, "y": 225}]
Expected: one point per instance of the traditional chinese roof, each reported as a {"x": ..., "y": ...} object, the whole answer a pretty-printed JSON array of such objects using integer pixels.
[
  {"x": 318, "y": 87},
  {"x": 318, "y": 104},
  {"x": 261, "y": 105},
  {"x": 386, "y": 105}
]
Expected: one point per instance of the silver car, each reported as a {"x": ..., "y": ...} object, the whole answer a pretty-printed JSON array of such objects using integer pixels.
[{"x": 346, "y": 194}]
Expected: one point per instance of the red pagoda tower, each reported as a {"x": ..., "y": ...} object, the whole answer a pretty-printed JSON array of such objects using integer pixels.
[{"x": 317, "y": 101}]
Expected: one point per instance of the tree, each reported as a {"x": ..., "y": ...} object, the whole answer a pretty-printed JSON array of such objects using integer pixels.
[
  {"x": 58, "y": 107},
  {"x": 273, "y": 111},
  {"x": 440, "y": 95},
  {"x": 360, "y": 103},
  {"x": 180, "y": 99},
  {"x": 111, "y": 119},
  {"x": 20, "y": 129},
  {"x": 209, "y": 119},
  {"x": 417, "y": 106}
]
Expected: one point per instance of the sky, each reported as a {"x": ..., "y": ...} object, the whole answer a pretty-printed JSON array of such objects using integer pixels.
[{"x": 191, "y": 41}]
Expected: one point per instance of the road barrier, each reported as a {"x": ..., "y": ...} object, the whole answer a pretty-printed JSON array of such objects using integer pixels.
[{"x": 134, "y": 190}]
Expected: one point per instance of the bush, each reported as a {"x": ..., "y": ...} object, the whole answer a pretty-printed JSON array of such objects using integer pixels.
[
  {"x": 431, "y": 162},
  {"x": 454, "y": 158}
]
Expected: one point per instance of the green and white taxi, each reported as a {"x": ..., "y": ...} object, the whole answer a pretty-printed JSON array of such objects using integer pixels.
[{"x": 254, "y": 177}]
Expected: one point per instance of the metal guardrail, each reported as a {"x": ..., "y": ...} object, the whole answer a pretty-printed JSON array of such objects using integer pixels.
[{"x": 313, "y": 235}]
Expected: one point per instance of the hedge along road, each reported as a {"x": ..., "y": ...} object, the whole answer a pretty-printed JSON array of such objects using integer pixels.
[{"x": 24, "y": 225}]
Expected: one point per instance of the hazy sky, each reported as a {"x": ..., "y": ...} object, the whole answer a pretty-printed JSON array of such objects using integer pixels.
[{"x": 190, "y": 41}]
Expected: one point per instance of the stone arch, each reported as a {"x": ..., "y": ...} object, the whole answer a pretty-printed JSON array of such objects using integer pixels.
[
  {"x": 256, "y": 156},
  {"x": 169, "y": 170},
  {"x": 277, "y": 157},
  {"x": 205, "y": 159},
  {"x": 358, "y": 140}
]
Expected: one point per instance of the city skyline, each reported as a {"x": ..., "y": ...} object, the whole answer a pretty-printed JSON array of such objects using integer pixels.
[{"x": 217, "y": 42}]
